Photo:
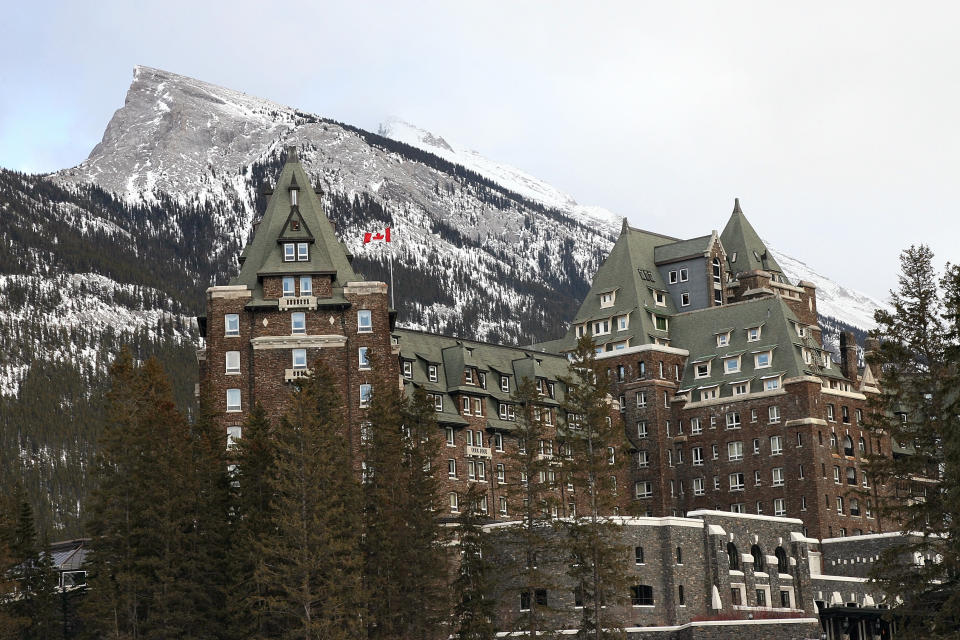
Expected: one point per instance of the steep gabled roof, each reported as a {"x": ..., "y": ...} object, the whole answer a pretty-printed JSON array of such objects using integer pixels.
[
  {"x": 745, "y": 250},
  {"x": 682, "y": 249},
  {"x": 264, "y": 254}
]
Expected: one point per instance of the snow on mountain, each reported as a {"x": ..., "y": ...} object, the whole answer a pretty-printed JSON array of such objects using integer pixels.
[
  {"x": 833, "y": 299},
  {"x": 510, "y": 177}
]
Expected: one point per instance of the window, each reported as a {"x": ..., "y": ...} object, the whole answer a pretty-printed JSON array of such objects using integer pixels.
[
  {"x": 756, "y": 446},
  {"x": 800, "y": 470},
  {"x": 859, "y": 414},
  {"x": 773, "y": 414},
  {"x": 468, "y": 375},
  {"x": 233, "y": 399},
  {"x": 733, "y": 556},
  {"x": 771, "y": 384},
  {"x": 851, "y": 476},
  {"x": 641, "y": 368},
  {"x": 854, "y": 507},
  {"x": 740, "y": 389},
  {"x": 233, "y": 362},
  {"x": 451, "y": 468},
  {"x": 483, "y": 382},
  {"x": 505, "y": 383},
  {"x": 684, "y": 274},
  {"x": 501, "y": 474},
  {"x": 601, "y": 327},
  {"x": 298, "y": 323},
  {"x": 611, "y": 455},
  {"x": 778, "y": 476},
  {"x": 438, "y": 402},
  {"x": 407, "y": 369},
  {"x": 289, "y": 252},
  {"x": 288, "y": 286},
  {"x": 684, "y": 299},
  {"x": 757, "y": 558},
  {"x": 731, "y": 365},
  {"x": 454, "y": 502},
  {"x": 785, "y": 601},
  {"x": 606, "y": 299},
  {"x": 776, "y": 445},
  {"x": 432, "y": 373},
  {"x": 723, "y": 339},
  {"x": 836, "y": 474},
  {"x": 450, "y": 436},
  {"x": 643, "y": 489},
  {"x": 642, "y": 429},
  {"x": 465, "y": 401},
  {"x": 736, "y": 482},
  {"x": 302, "y": 252},
  {"x": 695, "y": 428},
  {"x": 753, "y": 334},
  {"x": 299, "y": 359},
  {"x": 643, "y": 459},
  {"x": 830, "y": 416},
  {"x": 505, "y": 411},
  {"x": 503, "y": 506},
  {"x": 840, "y": 505},
  {"x": 761, "y": 597},
  {"x": 716, "y": 451},
  {"x": 660, "y": 298},
  {"x": 306, "y": 285},
  {"x": 641, "y": 399},
  {"x": 231, "y": 322},
  {"x": 638, "y": 555},
  {"x": 848, "y": 446},
  {"x": 759, "y": 507},
  {"x": 716, "y": 483},
  {"x": 845, "y": 413},
  {"x": 234, "y": 433},
  {"x": 735, "y": 450},
  {"x": 733, "y": 420},
  {"x": 641, "y": 595},
  {"x": 697, "y": 456},
  {"x": 363, "y": 358},
  {"x": 498, "y": 441},
  {"x": 718, "y": 296},
  {"x": 716, "y": 270},
  {"x": 862, "y": 445},
  {"x": 366, "y": 391},
  {"x": 623, "y": 323},
  {"x": 679, "y": 555},
  {"x": 761, "y": 360},
  {"x": 756, "y": 478},
  {"x": 702, "y": 370},
  {"x": 698, "y": 487},
  {"x": 673, "y": 277},
  {"x": 710, "y": 393},
  {"x": 661, "y": 323},
  {"x": 753, "y": 415},
  {"x": 737, "y": 507},
  {"x": 364, "y": 321}
]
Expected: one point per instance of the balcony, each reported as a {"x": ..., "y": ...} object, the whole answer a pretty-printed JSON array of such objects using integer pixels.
[
  {"x": 478, "y": 452},
  {"x": 291, "y": 375},
  {"x": 297, "y": 302}
]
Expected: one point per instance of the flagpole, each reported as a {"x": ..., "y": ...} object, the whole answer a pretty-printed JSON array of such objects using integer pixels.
[{"x": 392, "y": 304}]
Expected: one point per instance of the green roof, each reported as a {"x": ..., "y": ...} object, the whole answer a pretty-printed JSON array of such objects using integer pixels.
[
  {"x": 303, "y": 222},
  {"x": 682, "y": 249},
  {"x": 745, "y": 250}
]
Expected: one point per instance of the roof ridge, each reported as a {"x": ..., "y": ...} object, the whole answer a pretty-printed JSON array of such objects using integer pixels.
[{"x": 480, "y": 342}]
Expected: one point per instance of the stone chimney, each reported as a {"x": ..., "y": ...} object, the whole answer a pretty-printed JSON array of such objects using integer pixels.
[{"x": 848, "y": 355}]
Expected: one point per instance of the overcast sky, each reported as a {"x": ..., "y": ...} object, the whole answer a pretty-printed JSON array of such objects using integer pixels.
[{"x": 835, "y": 123}]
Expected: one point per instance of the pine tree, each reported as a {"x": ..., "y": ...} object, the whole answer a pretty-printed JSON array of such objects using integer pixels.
[
  {"x": 918, "y": 362},
  {"x": 312, "y": 562},
  {"x": 405, "y": 574},
  {"x": 474, "y": 611},
  {"x": 598, "y": 454},
  {"x": 531, "y": 492},
  {"x": 253, "y": 523}
]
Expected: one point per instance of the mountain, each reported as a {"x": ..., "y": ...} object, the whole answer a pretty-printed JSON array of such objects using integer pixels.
[{"x": 119, "y": 250}]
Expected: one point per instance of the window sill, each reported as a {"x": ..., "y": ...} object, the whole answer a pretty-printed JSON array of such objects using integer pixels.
[
  {"x": 234, "y": 411},
  {"x": 643, "y": 606},
  {"x": 232, "y": 373}
]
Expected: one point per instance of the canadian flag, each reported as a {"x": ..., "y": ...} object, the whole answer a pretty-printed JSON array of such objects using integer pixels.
[{"x": 377, "y": 236}]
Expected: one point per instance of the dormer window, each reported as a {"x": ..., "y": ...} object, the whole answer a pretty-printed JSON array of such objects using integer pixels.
[
  {"x": 723, "y": 339},
  {"x": 660, "y": 298},
  {"x": 661, "y": 323},
  {"x": 303, "y": 253},
  {"x": 702, "y": 370},
  {"x": 289, "y": 252},
  {"x": 731, "y": 365},
  {"x": 601, "y": 327},
  {"x": 293, "y": 197},
  {"x": 753, "y": 334},
  {"x": 761, "y": 360},
  {"x": 505, "y": 384},
  {"x": 623, "y": 323},
  {"x": 432, "y": 373},
  {"x": 801, "y": 331},
  {"x": 607, "y": 299},
  {"x": 468, "y": 375}
]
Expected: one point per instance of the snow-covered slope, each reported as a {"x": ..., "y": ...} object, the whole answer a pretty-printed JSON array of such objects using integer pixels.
[{"x": 512, "y": 178}]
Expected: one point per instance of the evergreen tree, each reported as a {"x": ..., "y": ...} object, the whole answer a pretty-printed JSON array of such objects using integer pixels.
[
  {"x": 312, "y": 561},
  {"x": 474, "y": 610},
  {"x": 597, "y": 460},
  {"x": 918, "y": 362},
  {"x": 531, "y": 492},
  {"x": 253, "y": 515},
  {"x": 405, "y": 575}
]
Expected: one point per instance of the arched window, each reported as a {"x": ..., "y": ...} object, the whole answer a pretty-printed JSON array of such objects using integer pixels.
[
  {"x": 716, "y": 269},
  {"x": 782, "y": 566},
  {"x": 757, "y": 558},
  {"x": 847, "y": 446},
  {"x": 733, "y": 556}
]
